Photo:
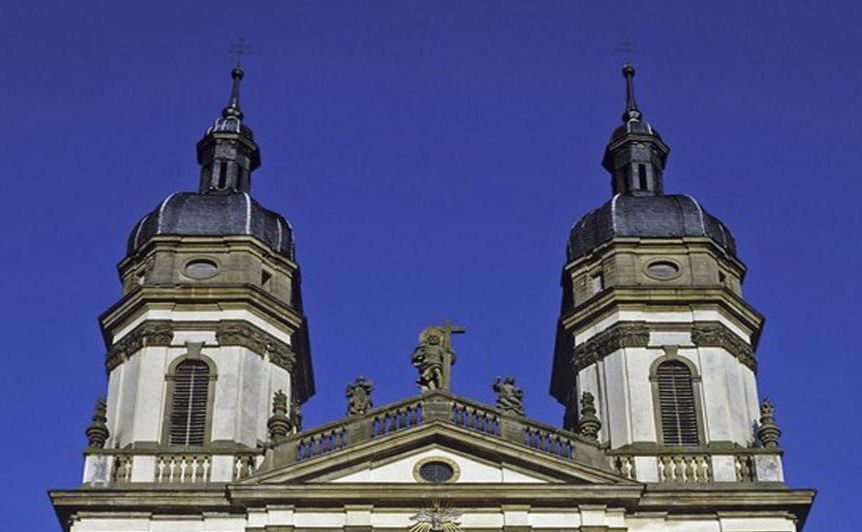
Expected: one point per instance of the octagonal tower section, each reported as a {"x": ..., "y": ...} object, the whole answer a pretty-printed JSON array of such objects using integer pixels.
[
  {"x": 209, "y": 329},
  {"x": 654, "y": 327}
]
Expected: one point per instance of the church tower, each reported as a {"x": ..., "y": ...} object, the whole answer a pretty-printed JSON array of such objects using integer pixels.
[
  {"x": 209, "y": 330},
  {"x": 653, "y": 323}
]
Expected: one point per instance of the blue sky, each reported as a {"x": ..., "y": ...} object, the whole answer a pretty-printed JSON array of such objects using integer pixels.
[{"x": 432, "y": 157}]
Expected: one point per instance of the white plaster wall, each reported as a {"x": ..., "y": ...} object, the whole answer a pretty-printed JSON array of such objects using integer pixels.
[
  {"x": 149, "y": 403},
  {"x": 641, "y": 413},
  {"x": 652, "y": 316},
  {"x": 228, "y": 361},
  {"x": 203, "y": 315},
  {"x": 127, "y": 393},
  {"x": 471, "y": 470},
  {"x": 616, "y": 382},
  {"x": 714, "y": 391}
]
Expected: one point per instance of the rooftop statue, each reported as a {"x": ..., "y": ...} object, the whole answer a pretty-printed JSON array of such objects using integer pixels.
[
  {"x": 510, "y": 398},
  {"x": 359, "y": 396},
  {"x": 434, "y": 357}
]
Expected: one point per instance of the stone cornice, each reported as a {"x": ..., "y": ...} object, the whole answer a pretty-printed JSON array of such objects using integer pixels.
[
  {"x": 196, "y": 297},
  {"x": 243, "y": 334},
  {"x": 147, "y": 334},
  {"x": 642, "y": 245},
  {"x": 716, "y": 334},
  {"x": 617, "y": 336},
  {"x": 228, "y": 333},
  {"x": 636, "y": 334},
  {"x": 651, "y": 298},
  {"x": 200, "y": 244}
]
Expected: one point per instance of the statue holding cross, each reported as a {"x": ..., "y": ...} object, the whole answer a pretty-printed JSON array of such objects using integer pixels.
[{"x": 434, "y": 357}]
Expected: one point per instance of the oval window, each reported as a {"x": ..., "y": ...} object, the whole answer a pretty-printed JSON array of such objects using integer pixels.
[
  {"x": 662, "y": 269},
  {"x": 201, "y": 268},
  {"x": 436, "y": 472}
]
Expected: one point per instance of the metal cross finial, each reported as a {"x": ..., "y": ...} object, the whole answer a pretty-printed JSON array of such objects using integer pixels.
[
  {"x": 627, "y": 47},
  {"x": 239, "y": 48}
]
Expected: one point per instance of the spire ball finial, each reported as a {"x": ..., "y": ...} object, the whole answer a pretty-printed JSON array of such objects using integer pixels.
[
  {"x": 237, "y": 73},
  {"x": 628, "y": 70}
]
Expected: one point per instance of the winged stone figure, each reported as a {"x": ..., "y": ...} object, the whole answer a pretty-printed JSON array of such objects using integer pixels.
[{"x": 436, "y": 519}]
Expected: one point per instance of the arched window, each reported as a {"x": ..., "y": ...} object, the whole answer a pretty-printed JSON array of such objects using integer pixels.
[
  {"x": 189, "y": 403},
  {"x": 677, "y": 408}
]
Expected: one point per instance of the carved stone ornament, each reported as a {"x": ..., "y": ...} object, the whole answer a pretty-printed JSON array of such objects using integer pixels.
[
  {"x": 436, "y": 518},
  {"x": 150, "y": 333},
  {"x": 716, "y": 334},
  {"x": 589, "y": 424},
  {"x": 359, "y": 396},
  {"x": 97, "y": 432},
  {"x": 768, "y": 432},
  {"x": 510, "y": 398},
  {"x": 279, "y": 424},
  {"x": 264, "y": 344},
  {"x": 618, "y": 336}
]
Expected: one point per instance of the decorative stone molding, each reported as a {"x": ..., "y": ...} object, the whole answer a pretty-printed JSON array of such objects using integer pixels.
[
  {"x": 618, "y": 336},
  {"x": 228, "y": 332},
  {"x": 636, "y": 334},
  {"x": 151, "y": 333},
  {"x": 246, "y": 335},
  {"x": 716, "y": 334}
]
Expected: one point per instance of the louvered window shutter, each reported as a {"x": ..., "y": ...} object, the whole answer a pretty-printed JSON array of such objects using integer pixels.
[
  {"x": 676, "y": 401},
  {"x": 189, "y": 403}
]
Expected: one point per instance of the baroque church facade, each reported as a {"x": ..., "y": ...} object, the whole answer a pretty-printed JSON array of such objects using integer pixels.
[{"x": 208, "y": 364}]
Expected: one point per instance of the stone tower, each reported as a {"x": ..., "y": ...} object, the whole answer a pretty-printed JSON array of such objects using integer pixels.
[
  {"x": 209, "y": 328},
  {"x": 653, "y": 322}
]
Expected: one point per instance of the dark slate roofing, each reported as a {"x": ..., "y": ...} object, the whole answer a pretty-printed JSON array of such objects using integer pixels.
[
  {"x": 634, "y": 127},
  {"x": 236, "y": 213},
  {"x": 669, "y": 216}
]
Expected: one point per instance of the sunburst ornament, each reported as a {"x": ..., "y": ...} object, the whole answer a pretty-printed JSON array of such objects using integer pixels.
[{"x": 437, "y": 518}]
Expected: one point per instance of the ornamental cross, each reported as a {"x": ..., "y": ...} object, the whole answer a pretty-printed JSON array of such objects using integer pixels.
[
  {"x": 627, "y": 47},
  {"x": 239, "y": 48}
]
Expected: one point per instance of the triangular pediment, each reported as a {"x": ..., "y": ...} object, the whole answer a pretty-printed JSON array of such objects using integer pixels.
[{"x": 476, "y": 459}]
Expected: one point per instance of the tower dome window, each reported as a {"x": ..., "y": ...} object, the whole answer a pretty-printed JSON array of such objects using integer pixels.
[
  {"x": 201, "y": 268},
  {"x": 662, "y": 269}
]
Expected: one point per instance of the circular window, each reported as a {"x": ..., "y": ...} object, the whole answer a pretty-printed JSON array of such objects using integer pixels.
[
  {"x": 201, "y": 268},
  {"x": 436, "y": 471},
  {"x": 662, "y": 269}
]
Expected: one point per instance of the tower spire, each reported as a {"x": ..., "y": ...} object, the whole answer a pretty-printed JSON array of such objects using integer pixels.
[
  {"x": 232, "y": 109},
  {"x": 635, "y": 155},
  {"x": 228, "y": 153}
]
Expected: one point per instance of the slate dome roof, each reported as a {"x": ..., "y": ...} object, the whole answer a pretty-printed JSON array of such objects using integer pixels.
[
  {"x": 232, "y": 213},
  {"x": 667, "y": 216}
]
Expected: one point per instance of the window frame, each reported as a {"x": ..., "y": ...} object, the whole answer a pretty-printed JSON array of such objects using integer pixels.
[
  {"x": 696, "y": 390},
  {"x": 170, "y": 384}
]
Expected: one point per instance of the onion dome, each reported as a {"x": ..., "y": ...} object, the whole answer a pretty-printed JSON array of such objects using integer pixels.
[
  {"x": 671, "y": 216},
  {"x": 635, "y": 157},
  {"x": 222, "y": 206}
]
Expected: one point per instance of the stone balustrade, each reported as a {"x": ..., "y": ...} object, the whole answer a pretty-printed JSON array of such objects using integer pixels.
[
  {"x": 104, "y": 467},
  {"x": 698, "y": 466},
  {"x": 436, "y": 406}
]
